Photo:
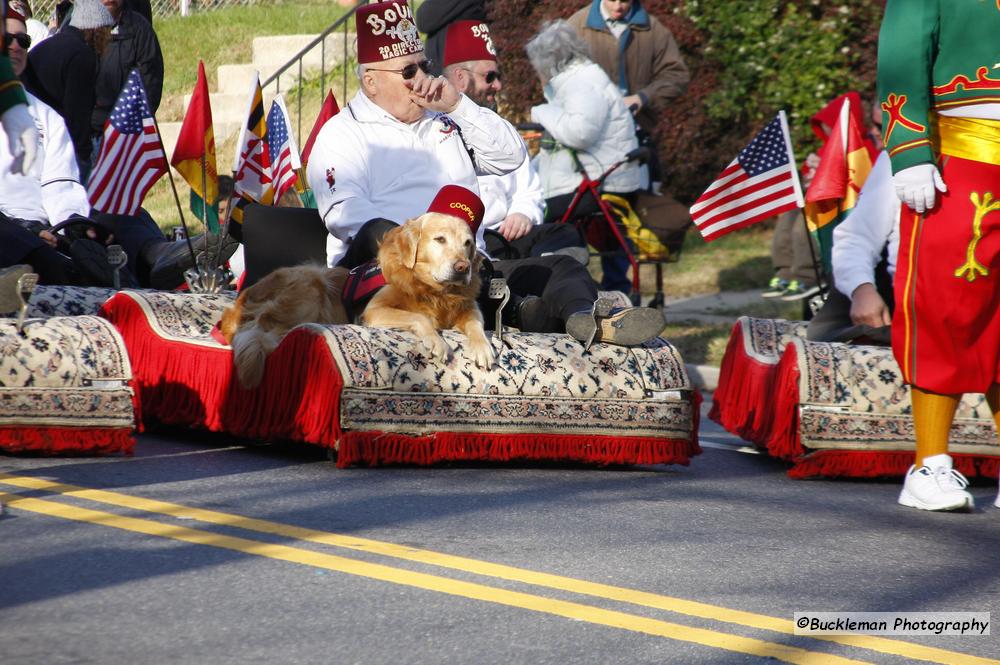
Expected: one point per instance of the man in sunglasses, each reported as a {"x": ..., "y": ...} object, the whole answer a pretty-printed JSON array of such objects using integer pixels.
[
  {"x": 403, "y": 137},
  {"x": 17, "y": 125},
  {"x": 515, "y": 203}
]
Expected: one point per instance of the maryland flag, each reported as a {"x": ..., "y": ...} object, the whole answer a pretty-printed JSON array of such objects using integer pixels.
[
  {"x": 194, "y": 155},
  {"x": 253, "y": 182},
  {"x": 845, "y": 161}
]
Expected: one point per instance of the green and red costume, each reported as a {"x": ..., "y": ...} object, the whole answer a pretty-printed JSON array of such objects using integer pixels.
[{"x": 939, "y": 84}]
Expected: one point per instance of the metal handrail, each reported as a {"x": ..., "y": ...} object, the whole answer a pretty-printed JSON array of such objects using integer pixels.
[{"x": 298, "y": 58}]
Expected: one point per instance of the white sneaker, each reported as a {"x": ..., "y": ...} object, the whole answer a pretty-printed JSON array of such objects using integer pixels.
[
  {"x": 936, "y": 486},
  {"x": 997, "y": 502}
]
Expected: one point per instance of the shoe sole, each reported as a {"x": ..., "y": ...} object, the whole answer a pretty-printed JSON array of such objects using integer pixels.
[
  {"x": 629, "y": 328},
  {"x": 10, "y": 303},
  {"x": 772, "y": 294},
  {"x": 910, "y": 501},
  {"x": 580, "y": 254}
]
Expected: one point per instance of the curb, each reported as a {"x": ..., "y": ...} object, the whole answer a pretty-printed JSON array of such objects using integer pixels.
[{"x": 703, "y": 377}]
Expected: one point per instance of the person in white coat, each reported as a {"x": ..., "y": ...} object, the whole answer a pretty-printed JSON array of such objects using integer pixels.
[
  {"x": 589, "y": 126},
  {"x": 404, "y": 136}
]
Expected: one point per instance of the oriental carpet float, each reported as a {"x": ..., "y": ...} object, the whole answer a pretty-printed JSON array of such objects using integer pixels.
[
  {"x": 834, "y": 409},
  {"x": 376, "y": 397},
  {"x": 65, "y": 387}
]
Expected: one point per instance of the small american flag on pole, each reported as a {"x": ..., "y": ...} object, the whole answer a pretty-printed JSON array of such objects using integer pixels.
[
  {"x": 281, "y": 148},
  {"x": 131, "y": 158},
  {"x": 760, "y": 183}
]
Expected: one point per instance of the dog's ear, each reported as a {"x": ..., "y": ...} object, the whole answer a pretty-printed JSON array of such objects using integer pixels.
[{"x": 409, "y": 241}]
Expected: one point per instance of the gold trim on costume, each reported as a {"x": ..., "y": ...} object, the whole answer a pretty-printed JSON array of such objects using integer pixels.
[
  {"x": 977, "y": 139},
  {"x": 971, "y": 267}
]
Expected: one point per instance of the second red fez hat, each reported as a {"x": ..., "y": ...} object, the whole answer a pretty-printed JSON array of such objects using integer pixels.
[
  {"x": 386, "y": 30},
  {"x": 466, "y": 41},
  {"x": 460, "y": 202}
]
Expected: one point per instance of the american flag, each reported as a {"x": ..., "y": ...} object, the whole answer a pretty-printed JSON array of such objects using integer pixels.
[
  {"x": 281, "y": 149},
  {"x": 131, "y": 158},
  {"x": 759, "y": 184}
]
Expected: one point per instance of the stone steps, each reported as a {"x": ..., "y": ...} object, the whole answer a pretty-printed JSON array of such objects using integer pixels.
[{"x": 229, "y": 102}]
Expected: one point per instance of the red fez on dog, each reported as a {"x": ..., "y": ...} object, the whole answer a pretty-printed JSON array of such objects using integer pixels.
[
  {"x": 466, "y": 41},
  {"x": 459, "y": 202},
  {"x": 386, "y": 30}
]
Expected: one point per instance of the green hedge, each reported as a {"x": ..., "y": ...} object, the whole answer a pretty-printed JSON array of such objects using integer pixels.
[{"x": 748, "y": 59}]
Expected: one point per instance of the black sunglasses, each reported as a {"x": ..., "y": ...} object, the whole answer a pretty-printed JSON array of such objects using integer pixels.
[
  {"x": 410, "y": 70},
  {"x": 23, "y": 39},
  {"x": 490, "y": 76}
]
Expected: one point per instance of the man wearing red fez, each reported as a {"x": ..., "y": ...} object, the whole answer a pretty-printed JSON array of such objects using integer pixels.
[
  {"x": 403, "y": 137},
  {"x": 515, "y": 203}
]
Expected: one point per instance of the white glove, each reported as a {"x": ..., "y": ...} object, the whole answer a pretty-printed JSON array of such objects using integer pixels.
[
  {"x": 22, "y": 136},
  {"x": 916, "y": 185}
]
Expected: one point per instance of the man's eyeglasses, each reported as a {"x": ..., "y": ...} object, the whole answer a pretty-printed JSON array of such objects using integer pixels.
[
  {"x": 409, "y": 71},
  {"x": 23, "y": 39},
  {"x": 491, "y": 76}
]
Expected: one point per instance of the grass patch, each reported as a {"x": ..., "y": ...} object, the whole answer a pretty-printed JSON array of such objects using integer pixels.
[
  {"x": 225, "y": 36},
  {"x": 739, "y": 261},
  {"x": 699, "y": 343}
]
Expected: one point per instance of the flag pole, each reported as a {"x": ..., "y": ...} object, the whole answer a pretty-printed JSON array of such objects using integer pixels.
[
  {"x": 817, "y": 263},
  {"x": 224, "y": 226},
  {"x": 204, "y": 192},
  {"x": 177, "y": 199}
]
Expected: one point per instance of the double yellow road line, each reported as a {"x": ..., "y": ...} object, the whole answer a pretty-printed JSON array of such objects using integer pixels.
[{"x": 538, "y": 603}]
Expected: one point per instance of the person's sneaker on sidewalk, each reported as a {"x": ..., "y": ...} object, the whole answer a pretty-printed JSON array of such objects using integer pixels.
[
  {"x": 796, "y": 290},
  {"x": 625, "y": 326},
  {"x": 9, "y": 300},
  {"x": 776, "y": 287},
  {"x": 997, "y": 501},
  {"x": 936, "y": 486}
]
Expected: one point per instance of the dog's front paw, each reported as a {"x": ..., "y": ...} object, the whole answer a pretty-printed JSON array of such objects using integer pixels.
[
  {"x": 482, "y": 353},
  {"x": 437, "y": 346}
]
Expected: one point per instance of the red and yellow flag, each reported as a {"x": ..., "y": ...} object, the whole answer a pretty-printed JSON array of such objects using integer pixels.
[
  {"x": 328, "y": 110},
  {"x": 845, "y": 163},
  {"x": 194, "y": 155}
]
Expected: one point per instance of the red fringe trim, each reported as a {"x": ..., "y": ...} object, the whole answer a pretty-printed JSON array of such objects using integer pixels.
[
  {"x": 876, "y": 464},
  {"x": 194, "y": 386},
  {"x": 378, "y": 448},
  {"x": 783, "y": 440},
  {"x": 299, "y": 399},
  {"x": 742, "y": 401},
  {"x": 66, "y": 440}
]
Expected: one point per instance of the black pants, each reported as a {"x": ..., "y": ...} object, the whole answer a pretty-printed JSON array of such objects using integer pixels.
[
  {"x": 541, "y": 239},
  {"x": 563, "y": 284},
  {"x": 832, "y": 323}
]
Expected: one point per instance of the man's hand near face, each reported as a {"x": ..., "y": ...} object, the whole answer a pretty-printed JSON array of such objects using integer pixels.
[
  {"x": 434, "y": 94},
  {"x": 514, "y": 226}
]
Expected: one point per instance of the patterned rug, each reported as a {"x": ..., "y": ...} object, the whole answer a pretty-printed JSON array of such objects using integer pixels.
[
  {"x": 64, "y": 387},
  {"x": 47, "y": 301},
  {"x": 852, "y": 416},
  {"x": 743, "y": 401},
  {"x": 377, "y": 397}
]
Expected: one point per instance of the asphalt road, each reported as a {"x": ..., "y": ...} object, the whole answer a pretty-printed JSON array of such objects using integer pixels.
[{"x": 204, "y": 549}]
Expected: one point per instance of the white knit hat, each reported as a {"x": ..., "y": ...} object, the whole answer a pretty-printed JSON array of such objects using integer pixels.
[{"x": 88, "y": 14}]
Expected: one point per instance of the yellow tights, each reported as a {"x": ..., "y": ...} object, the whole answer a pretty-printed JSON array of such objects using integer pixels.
[{"x": 933, "y": 414}]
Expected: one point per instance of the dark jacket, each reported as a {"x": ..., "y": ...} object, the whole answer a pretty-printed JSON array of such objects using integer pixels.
[
  {"x": 133, "y": 44},
  {"x": 434, "y": 17},
  {"x": 645, "y": 61},
  {"x": 62, "y": 72},
  {"x": 143, "y": 7}
]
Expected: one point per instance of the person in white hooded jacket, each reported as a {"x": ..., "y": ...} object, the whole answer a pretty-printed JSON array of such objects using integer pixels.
[{"x": 584, "y": 114}]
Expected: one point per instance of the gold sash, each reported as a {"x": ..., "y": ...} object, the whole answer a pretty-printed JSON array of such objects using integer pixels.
[{"x": 967, "y": 138}]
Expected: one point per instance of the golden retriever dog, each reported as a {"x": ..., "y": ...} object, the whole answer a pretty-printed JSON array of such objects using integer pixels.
[
  {"x": 431, "y": 269},
  {"x": 264, "y": 313}
]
